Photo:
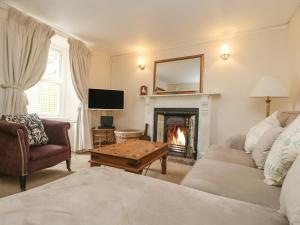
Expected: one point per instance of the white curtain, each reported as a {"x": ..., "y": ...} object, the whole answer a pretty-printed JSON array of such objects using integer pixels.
[
  {"x": 79, "y": 62},
  {"x": 27, "y": 44}
]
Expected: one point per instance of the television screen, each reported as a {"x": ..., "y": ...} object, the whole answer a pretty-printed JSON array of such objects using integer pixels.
[{"x": 106, "y": 99}]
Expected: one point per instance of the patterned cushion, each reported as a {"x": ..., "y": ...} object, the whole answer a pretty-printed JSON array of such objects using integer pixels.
[
  {"x": 283, "y": 153},
  {"x": 256, "y": 132},
  {"x": 290, "y": 194},
  {"x": 33, "y": 124}
]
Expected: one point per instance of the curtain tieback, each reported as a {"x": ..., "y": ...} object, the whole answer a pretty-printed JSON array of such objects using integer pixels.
[
  {"x": 16, "y": 88},
  {"x": 11, "y": 86}
]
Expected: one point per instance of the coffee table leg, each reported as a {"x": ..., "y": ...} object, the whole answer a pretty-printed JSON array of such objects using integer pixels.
[{"x": 164, "y": 165}]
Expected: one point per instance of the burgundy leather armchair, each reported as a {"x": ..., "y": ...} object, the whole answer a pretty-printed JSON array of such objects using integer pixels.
[{"x": 17, "y": 158}]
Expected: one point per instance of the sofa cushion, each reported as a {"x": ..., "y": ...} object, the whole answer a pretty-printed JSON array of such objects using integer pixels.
[
  {"x": 257, "y": 131},
  {"x": 283, "y": 153},
  {"x": 111, "y": 197},
  {"x": 290, "y": 194},
  {"x": 286, "y": 118},
  {"x": 226, "y": 154},
  {"x": 33, "y": 124},
  {"x": 264, "y": 145},
  {"x": 44, "y": 151},
  {"x": 233, "y": 181}
]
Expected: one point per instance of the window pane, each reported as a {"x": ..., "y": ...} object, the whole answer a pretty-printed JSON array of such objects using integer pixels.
[
  {"x": 49, "y": 96},
  {"x": 44, "y": 97},
  {"x": 53, "y": 67}
]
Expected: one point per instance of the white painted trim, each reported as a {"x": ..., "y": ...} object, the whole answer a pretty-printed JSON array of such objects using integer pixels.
[
  {"x": 217, "y": 39},
  {"x": 179, "y": 95}
]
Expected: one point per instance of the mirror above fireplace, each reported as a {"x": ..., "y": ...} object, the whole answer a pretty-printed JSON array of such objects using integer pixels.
[{"x": 179, "y": 75}]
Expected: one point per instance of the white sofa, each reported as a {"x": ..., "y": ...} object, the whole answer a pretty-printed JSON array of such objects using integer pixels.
[
  {"x": 223, "y": 188},
  {"x": 111, "y": 197}
]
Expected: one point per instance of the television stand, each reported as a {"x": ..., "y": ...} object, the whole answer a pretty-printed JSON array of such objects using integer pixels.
[{"x": 103, "y": 136}]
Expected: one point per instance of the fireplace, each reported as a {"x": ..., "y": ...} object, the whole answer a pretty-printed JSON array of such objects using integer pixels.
[{"x": 179, "y": 128}]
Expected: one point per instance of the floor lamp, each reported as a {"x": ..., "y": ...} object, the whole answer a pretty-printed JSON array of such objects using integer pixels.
[{"x": 269, "y": 87}]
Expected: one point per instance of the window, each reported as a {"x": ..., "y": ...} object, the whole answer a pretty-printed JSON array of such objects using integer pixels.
[{"x": 46, "y": 97}]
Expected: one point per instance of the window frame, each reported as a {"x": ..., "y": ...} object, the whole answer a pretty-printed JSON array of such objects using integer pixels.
[{"x": 61, "y": 82}]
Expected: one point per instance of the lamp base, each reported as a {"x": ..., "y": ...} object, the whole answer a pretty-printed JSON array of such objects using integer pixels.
[{"x": 268, "y": 106}]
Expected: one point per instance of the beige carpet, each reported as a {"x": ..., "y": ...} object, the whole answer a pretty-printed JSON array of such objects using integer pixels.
[{"x": 10, "y": 185}]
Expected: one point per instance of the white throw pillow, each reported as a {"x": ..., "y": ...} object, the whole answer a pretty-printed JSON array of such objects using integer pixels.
[
  {"x": 283, "y": 153},
  {"x": 290, "y": 194},
  {"x": 257, "y": 131}
]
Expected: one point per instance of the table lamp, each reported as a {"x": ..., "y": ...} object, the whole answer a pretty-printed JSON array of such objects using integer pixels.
[{"x": 269, "y": 87}]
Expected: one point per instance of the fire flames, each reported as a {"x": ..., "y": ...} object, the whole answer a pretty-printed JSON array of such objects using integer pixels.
[{"x": 179, "y": 137}]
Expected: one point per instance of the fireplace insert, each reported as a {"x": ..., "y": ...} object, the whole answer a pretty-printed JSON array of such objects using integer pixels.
[{"x": 179, "y": 128}]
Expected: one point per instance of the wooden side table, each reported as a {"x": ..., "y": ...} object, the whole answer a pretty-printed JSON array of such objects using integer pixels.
[{"x": 103, "y": 136}]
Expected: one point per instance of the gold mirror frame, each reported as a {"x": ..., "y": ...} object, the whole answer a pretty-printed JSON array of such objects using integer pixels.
[{"x": 201, "y": 58}]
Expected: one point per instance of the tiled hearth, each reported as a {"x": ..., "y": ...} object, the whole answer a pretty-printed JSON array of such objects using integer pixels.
[{"x": 200, "y": 104}]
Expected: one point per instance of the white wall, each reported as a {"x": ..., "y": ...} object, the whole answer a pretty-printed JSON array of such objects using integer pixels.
[
  {"x": 252, "y": 56},
  {"x": 294, "y": 50},
  {"x": 99, "y": 77}
]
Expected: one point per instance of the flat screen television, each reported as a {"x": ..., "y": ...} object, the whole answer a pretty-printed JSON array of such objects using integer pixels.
[{"x": 106, "y": 99}]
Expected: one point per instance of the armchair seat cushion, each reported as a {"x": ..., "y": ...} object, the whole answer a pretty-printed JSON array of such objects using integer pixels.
[{"x": 44, "y": 151}]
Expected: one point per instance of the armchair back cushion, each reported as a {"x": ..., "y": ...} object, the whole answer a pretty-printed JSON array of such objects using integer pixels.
[{"x": 33, "y": 124}]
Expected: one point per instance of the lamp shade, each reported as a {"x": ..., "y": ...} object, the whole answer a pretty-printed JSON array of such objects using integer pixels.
[{"x": 269, "y": 86}]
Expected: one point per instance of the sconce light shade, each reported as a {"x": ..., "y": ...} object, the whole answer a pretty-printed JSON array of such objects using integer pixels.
[
  {"x": 224, "y": 52},
  {"x": 141, "y": 63}
]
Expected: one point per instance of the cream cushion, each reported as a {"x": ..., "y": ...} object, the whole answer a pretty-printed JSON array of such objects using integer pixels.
[
  {"x": 264, "y": 145},
  {"x": 257, "y": 131},
  {"x": 226, "y": 154},
  {"x": 232, "y": 181},
  {"x": 283, "y": 153},
  {"x": 290, "y": 194}
]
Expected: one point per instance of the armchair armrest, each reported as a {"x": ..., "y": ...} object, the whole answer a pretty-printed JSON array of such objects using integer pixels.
[
  {"x": 14, "y": 149},
  {"x": 12, "y": 128},
  {"x": 57, "y": 132},
  {"x": 236, "y": 142}
]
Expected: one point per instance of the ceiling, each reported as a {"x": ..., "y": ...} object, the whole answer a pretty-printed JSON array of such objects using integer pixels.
[{"x": 122, "y": 26}]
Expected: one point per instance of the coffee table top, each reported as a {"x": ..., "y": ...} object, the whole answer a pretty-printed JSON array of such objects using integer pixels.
[{"x": 131, "y": 149}]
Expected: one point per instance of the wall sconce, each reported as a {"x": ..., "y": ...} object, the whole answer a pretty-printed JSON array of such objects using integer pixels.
[
  {"x": 140, "y": 62},
  {"x": 224, "y": 52}
]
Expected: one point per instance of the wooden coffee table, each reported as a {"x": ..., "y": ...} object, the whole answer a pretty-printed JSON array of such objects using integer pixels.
[{"x": 132, "y": 156}]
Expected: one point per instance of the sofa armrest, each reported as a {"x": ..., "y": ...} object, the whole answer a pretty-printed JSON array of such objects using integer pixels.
[
  {"x": 14, "y": 149},
  {"x": 236, "y": 142},
  {"x": 57, "y": 132}
]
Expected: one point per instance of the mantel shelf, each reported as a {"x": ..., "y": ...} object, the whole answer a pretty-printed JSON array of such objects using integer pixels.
[{"x": 179, "y": 95}]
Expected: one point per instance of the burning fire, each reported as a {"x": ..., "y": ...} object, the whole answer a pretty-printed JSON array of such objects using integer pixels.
[{"x": 179, "y": 139}]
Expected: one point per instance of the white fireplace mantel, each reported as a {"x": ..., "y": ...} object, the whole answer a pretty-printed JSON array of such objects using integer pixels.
[
  {"x": 202, "y": 101},
  {"x": 179, "y": 95}
]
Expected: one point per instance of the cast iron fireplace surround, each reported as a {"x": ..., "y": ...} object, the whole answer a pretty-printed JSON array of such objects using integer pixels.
[{"x": 178, "y": 112}]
